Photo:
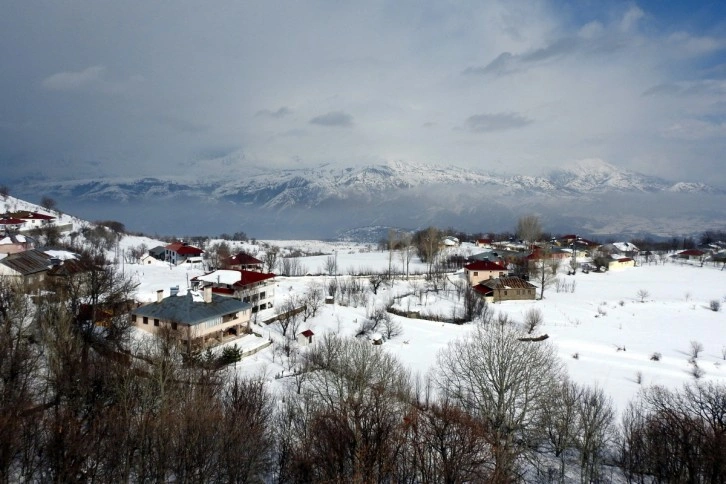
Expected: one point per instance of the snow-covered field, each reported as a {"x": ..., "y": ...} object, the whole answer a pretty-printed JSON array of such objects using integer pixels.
[
  {"x": 603, "y": 322},
  {"x": 607, "y": 322}
]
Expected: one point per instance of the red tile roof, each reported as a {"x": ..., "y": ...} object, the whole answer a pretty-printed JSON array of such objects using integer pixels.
[
  {"x": 243, "y": 259},
  {"x": 183, "y": 249},
  {"x": 692, "y": 252},
  {"x": 33, "y": 216},
  {"x": 11, "y": 221},
  {"x": 484, "y": 265},
  {"x": 307, "y": 333},
  {"x": 251, "y": 277}
]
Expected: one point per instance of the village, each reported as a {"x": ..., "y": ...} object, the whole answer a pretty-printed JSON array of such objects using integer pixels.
[{"x": 612, "y": 312}]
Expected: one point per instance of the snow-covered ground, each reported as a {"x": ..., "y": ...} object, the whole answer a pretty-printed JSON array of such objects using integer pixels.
[
  {"x": 603, "y": 322},
  {"x": 608, "y": 323}
]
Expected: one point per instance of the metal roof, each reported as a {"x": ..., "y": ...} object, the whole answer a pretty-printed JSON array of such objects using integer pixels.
[
  {"x": 27, "y": 262},
  {"x": 189, "y": 310}
]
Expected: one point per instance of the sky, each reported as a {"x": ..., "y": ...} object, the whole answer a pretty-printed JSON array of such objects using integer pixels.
[{"x": 136, "y": 88}]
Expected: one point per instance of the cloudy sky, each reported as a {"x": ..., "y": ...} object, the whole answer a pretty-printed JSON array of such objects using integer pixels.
[{"x": 132, "y": 88}]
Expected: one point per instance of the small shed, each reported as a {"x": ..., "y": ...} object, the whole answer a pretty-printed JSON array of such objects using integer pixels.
[{"x": 305, "y": 338}]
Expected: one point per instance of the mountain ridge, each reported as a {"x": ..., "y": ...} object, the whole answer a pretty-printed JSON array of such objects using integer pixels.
[{"x": 310, "y": 187}]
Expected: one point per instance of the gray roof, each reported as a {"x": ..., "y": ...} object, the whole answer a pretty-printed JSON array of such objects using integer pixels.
[
  {"x": 28, "y": 262},
  {"x": 186, "y": 310}
]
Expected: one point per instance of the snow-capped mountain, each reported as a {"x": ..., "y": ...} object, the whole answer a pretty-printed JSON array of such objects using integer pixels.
[
  {"x": 310, "y": 187},
  {"x": 321, "y": 201}
]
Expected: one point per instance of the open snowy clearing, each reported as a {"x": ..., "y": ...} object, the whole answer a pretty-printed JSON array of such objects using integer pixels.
[{"x": 602, "y": 331}]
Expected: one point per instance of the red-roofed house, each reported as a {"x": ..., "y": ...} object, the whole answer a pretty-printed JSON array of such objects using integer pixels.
[
  {"x": 8, "y": 223},
  {"x": 178, "y": 252},
  {"x": 482, "y": 270},
  {"x": 692, "y": 254},
  {"x": 484, "y": 242},
  {"x": 256, "y": 288},
  {"x": 244, "y": 261},
  {"x": 33, "y": 220}
]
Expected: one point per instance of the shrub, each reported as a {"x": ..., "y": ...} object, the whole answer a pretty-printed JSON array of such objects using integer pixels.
[
  {"x": 655, "y": 356},
  {"x": 715, "y": 305}
]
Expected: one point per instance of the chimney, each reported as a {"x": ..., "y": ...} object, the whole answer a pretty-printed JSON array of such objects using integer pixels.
[
  {"x": 173, "y": 290},
  {"x": 207, "y": 294},
  {"x": 159, "y": 295}
]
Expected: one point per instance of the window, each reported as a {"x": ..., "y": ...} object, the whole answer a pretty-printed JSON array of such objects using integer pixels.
[
  {"x": 133, "y": 318},
  {"x": 146, "y": 320},
  {"x": 156, "y": 322},
  {"x": 262, "y": 295},
  {"x": 174, "y": 326},
  {"x": 476, "y": 273}
]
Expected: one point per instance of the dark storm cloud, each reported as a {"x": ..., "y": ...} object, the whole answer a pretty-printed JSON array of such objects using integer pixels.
[
  {"x": 485, "y": 123},
  {"x": 333, "y": 118}
]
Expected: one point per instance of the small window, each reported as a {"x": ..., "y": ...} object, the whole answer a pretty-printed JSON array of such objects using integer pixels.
[
  {"x": 174, "y": 326},
  {"x": 262, "y": 295},
  {"x": 476, "y": 273},
  {"x": 156, "y": 322},
  {"x": 133, "y": 318},
  {"x": 146, "y": 320}
]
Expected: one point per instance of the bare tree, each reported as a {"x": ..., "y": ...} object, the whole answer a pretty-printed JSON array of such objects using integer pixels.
[
  {"x": 540, "y": 272},
  {"x": 643, "y": 294},
  {"x": 595, "y": 417},
  {"x": 331, "y": 265},
  {"x": 406, "y": 252},
  {"x": 529, "y": 228},
  {"x": 312, "y": 300},
  {"x": 504, "y": 382},
  {"x": 696, "y": 348},
  {"x": 533, "y": 318},
  {"x": 48, "y": 203},
  {"x": 288, "y": 318},
  {"x": 428, "y": 245},
  {"x": 559, "y": 420},
  {"x": 376, "y": 280},
  {"x": 270, "y": 258}
]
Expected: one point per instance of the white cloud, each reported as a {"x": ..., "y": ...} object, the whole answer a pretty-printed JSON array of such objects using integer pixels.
[
  {"x": 69, "y": 81},
  {"x": 631, "y": 18}
]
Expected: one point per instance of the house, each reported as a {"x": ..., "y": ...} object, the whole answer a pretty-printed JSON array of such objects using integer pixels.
[
  {"x": 692, "y": 254},
  {"x": 256, "y": 288},
  {"x": 29, "y": 267},
  {"x": 33, "y": 220},
  {"x": 482, "y": 270},
  {"x": 305, "y": 338},
  {"x": 507, "y": 288},
  {"x": 10, "y": 224},
  {"x": 450, "y": 241},
  {"x": 243, "y": 261},
  {"x": 550, "y": 253},
  {"x": 148, "y": 259},
  {"x": 622, "y": 249},
  {"x": 619, "y": 263},
  {"x": 14, "y": 243},
  {"x": 194, "y": 318},
  {"x": 69, "y": 272},
  {"x": 178, "y": 252},
  {"x": 487, "y": 243},
  {"x": 158, "y": 252}
]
